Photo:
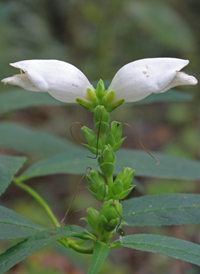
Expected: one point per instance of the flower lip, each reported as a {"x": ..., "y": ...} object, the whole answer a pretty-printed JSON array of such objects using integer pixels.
[
  {"x": 62, "y": 80},
  {"x": 138, "y": 79}
]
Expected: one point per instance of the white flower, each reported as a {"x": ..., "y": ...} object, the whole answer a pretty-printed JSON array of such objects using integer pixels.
[
  {"x": 62, "y": 80},
  {"x": 132, "y": 82},
  {"x": 140, "y": 78}
]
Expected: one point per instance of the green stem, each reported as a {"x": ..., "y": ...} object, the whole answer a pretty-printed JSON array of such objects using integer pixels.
[
  {"x": 81, "y": 249},
  {"x": 39, "y": 199},
  {"x": 65, "y": 242}
]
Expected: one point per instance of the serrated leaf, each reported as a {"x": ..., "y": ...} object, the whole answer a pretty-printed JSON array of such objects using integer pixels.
[
  {"x": 100, "y": 253},
  {"x": 21, "y": 99},
  {"x": 158, "y": 210},
  {"x": 13, "y": 225},
  {"x": 172, "y": 247},
  {"x": 8, "y": 168},
  {"x": 23, "y": 249},
  {"x": 170, "y": 167},
  {"x": 22, "y": 139}
]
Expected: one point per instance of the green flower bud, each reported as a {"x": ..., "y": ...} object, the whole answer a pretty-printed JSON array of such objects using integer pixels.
[
  {"x": 97, "y": 187},
  {"x": 126, "y": 176},
  {"x": 114, "y": 136},
  {"x": 110, "y": 139},
  {"x": 91, "y": 138},
  {"x": 110, "y": 95},
  {"x": 90, "y": 94},
  {"x": 107, "y": 160},
  {"x": 93, "y": 220},
  {"x": 88, "y": 134},
  {"x": 110, "y": 215},
  {"x": 122, "y": 184},
  {"x": 100, "y": 90},
  {"x": 101, "y": 115},
  {"x": 114, "y": 105},
  {"x": 86, "y": 104},
  {"x": 116, "y": 130}
]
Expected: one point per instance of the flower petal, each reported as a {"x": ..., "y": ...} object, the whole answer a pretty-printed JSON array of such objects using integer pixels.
[
  {"x": 62, "y": 80},
  {"x": 140, "y": 78},
  {"x": 20, "y": 80}
]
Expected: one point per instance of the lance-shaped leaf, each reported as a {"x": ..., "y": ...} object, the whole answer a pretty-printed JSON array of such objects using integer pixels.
[
  {"x": 21, "y": 99},
  {"x": 172, "y": 247},
  {"x": 100, "y": 253},
  {"x": 23, "y": 249},
  {"x": 170, "y": 167},
  {"x": 22, "y": 139},
  {"x": 13, "y": 225},
  {"x": 158, "y": 210},
  {"x": 8, "y": 168}
]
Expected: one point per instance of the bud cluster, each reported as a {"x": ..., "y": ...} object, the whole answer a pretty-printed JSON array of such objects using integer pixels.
[
  {"x": 110, "y": 215},
  {"x": 104, "y": 143},
  {"x": 100, "y": 97}
]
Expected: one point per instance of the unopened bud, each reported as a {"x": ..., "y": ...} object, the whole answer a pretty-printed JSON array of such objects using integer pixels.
[
  {"x": 114, "y": 136},
  {"x": 122, "y": 184},
  {"x": 93, "y": 220},
  {"x": 107, "y": 160},
  {"x": 102, "y": 119},
  {"x": 110, "y": 215},
  {"x": 97, "y": 187}
]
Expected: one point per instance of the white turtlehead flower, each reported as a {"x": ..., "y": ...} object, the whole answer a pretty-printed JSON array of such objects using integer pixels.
[
  {"x": 132, "y": 82},
  {"x": 138, "y": 79},
  {"x": 62, "y": 80}
]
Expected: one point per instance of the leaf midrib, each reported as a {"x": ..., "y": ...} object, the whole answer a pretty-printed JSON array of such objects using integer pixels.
[
  {"x": 164, "y": 247},
  {"x": 21, "y": 225},
  {"x": 158, "y": 210}
]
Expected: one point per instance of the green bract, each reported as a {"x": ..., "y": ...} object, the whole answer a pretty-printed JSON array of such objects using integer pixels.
[
  {"x": 92, "y": 139},
  {"x": 107, "y": 160},
  {"x": 97, "y": 187},
  {"x": 114, "y": 136},
  {"x": 110, "y": 215},
  {"x": 122, "y": 184},
  {"x": 100, "y": 97}
]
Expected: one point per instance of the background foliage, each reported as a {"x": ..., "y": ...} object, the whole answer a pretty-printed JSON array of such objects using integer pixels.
[{"x": 99, "y": 37}]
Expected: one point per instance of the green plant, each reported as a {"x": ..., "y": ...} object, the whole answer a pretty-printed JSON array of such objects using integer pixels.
[{"x": 110, "y": 182}]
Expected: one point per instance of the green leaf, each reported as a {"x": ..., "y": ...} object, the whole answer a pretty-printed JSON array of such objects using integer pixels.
[
  {"x": 8, "y": 168},
  {"x": 163, "y": 23},
  {"x": 172, "y": 247},
  {"x": 158, "y": 210},
  {"x": 13, "y": 225},
  {"x": 170, "y": 167},
  {"x": 22, "y": 139},
  {"x": 20, "y": 99},
  {"x": 23, "y": 249},
  {"x": 166, "y": 97},
  {"x": 100, "y": 253}
]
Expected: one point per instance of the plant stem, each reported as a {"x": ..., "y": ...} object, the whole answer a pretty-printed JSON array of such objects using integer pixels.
[
  {"x": 67, "y": 242},
  {"x": 39, "y": 199},
  {"x": 80, "y": 249}
]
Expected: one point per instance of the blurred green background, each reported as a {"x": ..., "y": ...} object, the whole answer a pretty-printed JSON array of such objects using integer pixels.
[{"x": 99, "y": 37}]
